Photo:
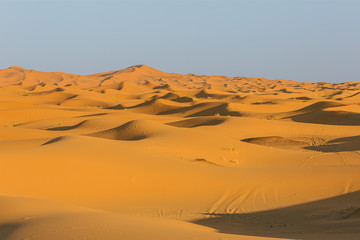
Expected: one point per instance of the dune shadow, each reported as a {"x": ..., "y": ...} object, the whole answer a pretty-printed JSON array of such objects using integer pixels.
[
  {"x": 92, "y": 115},
  {"x": 302, "y": 98},
  {"x": 336, "y": 215},
  {"x": 317, "y": 113},
  {"x": 183, "y": 100},
  {"x": 216, "y": 110},
  {"x": 116, "y": 107},
  {"x": 58, "y": 139},
  {"x": 46, "y": 92},
  {"x": 263, "y": 103},
  {"x": 165, "y": 86},
  {"x": 6, "y": 230},
  {"x": 344, "y": 144},
  {"x": 64, "y": 128},
  {"x": 197, "y": 110},
  {"x": 329, "y": 118},
  {"x": 197, "y": 122}
]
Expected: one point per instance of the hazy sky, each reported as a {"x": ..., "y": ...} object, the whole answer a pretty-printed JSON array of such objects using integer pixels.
[{"x": 304, "y": 40}]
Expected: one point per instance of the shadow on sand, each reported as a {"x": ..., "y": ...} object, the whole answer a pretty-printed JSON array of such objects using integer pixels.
[
  {"x": 338, "y": 217},
  {"x": 6, "y": 230},
  {"x": 345, "y": 144}
]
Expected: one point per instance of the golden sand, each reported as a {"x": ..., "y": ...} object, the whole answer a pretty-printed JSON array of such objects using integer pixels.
[{"x": 143, "y": 154}]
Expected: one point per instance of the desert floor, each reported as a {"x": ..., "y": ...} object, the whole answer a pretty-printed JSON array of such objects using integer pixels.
[{"x": 143, "y": 154}]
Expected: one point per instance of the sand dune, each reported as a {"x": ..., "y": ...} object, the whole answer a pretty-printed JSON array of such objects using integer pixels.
[{"x": 140, "y": 153}]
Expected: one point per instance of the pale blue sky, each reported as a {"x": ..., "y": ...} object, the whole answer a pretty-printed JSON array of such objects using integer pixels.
[{"x": 304, "y": 40}]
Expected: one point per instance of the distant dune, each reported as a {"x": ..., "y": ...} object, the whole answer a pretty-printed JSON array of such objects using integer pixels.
[{"x": 143, "y": 154}]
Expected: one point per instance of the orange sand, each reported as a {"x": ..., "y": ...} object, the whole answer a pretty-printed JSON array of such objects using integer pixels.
[{"x": 143, "y": 154}]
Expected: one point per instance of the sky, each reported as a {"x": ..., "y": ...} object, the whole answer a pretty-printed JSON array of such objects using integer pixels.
[{"x": 302, "y": 40}]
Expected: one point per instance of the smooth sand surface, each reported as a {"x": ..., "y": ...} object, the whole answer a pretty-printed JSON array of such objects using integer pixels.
[{"x": 143, "y": 154}]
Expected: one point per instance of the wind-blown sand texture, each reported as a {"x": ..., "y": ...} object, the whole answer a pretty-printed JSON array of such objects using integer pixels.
[{"x": 143, "y": 154}]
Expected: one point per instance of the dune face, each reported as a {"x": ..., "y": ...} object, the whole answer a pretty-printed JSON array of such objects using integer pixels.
[{"x": 143, "y": 154}]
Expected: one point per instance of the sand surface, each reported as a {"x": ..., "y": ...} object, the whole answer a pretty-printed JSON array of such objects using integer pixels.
[{"x": 143, "y": 154}]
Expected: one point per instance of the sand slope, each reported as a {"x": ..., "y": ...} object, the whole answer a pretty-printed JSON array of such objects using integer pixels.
[{"x": 143, "y": 154}]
